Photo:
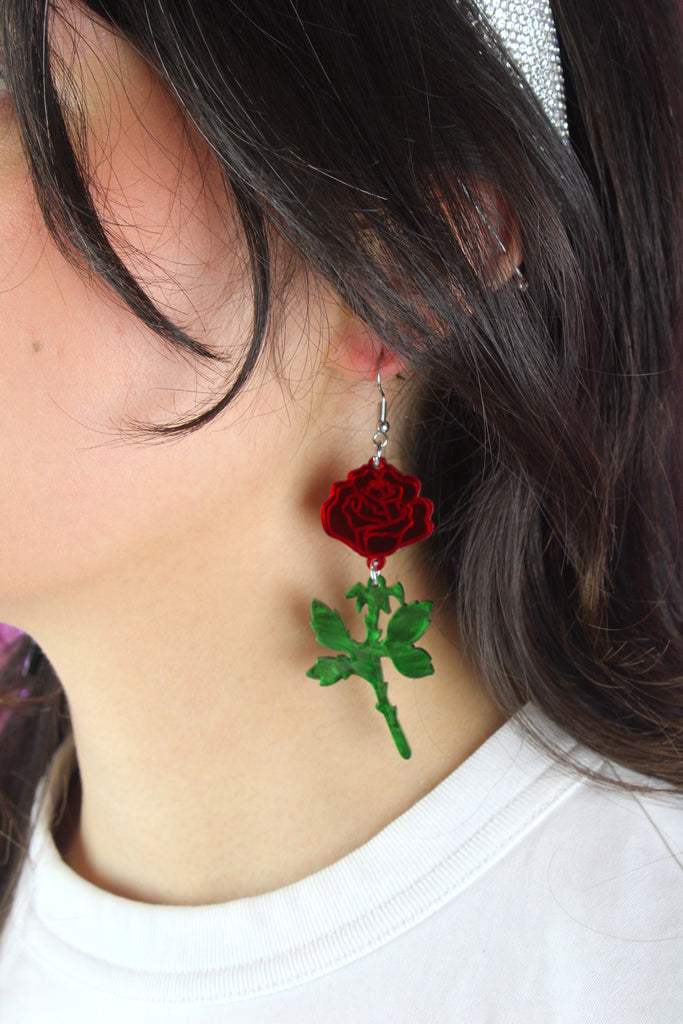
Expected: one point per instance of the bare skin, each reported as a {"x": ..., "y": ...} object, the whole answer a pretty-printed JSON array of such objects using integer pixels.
[{"x": 170, "y": 583}]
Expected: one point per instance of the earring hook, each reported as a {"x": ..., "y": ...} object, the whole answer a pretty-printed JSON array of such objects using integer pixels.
[{"x": 380, "y": 438}]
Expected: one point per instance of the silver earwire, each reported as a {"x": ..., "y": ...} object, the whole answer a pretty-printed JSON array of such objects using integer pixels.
[{"x": 380, "y": 436}]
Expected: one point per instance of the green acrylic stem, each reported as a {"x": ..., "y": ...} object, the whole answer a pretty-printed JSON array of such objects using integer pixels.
[
  {"x": 383, "y": 705},
  {"x": 389, "y": 712},
  {"x": 404, "y": 627}
]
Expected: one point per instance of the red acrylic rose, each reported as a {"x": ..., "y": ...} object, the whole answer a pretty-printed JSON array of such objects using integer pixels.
[{"x": 377, "y": 510}]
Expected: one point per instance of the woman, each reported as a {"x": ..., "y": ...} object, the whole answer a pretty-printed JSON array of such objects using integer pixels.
[{"x": 222, "y": 225}]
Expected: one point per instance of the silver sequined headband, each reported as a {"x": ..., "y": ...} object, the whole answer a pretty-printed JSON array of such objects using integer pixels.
[{"x": 527, "y": 31}]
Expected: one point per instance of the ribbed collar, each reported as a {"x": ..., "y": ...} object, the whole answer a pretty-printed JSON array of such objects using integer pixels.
[{"x": 262, "y": 944}]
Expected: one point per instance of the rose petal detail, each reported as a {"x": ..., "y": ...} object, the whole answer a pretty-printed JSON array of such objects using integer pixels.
[{"x": 377, "y": 510}]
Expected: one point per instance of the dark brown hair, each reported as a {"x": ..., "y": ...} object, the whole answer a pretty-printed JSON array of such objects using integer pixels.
[{"x": 357, "y": 134}]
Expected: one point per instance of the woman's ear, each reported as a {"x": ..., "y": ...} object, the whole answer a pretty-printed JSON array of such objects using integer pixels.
[
  {"x": 355, "y": 351},
  {"x": 499, "y": 244}
]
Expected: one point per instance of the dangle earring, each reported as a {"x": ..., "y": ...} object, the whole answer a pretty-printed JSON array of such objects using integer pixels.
[{"x": 376, "y": 511}]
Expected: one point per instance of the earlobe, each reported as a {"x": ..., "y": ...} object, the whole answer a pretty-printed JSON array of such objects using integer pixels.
[{"x": 356, "y": 351}]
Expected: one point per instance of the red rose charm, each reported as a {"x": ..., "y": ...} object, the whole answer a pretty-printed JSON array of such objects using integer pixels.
[{"x": 377, "y": 510}]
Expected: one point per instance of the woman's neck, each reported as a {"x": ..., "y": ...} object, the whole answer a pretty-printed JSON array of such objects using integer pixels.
[{"x": 212, "y": 768}]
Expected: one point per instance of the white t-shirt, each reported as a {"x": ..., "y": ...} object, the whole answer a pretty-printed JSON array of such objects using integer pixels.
[{"x": 510, "y": 893}]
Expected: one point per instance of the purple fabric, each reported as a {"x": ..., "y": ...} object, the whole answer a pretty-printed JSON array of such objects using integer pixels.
[{"x": 8, "y": 634}]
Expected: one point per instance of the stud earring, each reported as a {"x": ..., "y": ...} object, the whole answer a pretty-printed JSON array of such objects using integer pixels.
[
  {"x": 376, "y": 511},
  {"x": 521, "y": 281}
]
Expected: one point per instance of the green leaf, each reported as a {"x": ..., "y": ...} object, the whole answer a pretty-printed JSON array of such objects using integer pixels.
[
  {"x": 396, "y": 591},
  {"x": 378, "y": 597},
  {"x": 409, "y": 622},
  {"x": 413, "y": 662},
  {"x": 331, "y": 670},
  {"x": 328, "y": 627},
  {"x": 382, "y": 593},
  {"x": 361, "y": 595}
]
